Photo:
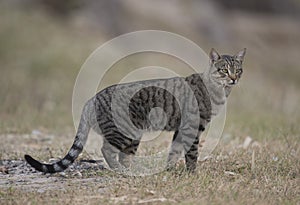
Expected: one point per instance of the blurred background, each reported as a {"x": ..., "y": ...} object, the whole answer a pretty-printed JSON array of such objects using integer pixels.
[{"x": 43, "y": 44}]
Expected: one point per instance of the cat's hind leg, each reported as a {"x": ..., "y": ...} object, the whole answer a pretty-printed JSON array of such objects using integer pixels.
[
  {"x": 110, "y": 154},
  {"x": 127, "y": 154}
]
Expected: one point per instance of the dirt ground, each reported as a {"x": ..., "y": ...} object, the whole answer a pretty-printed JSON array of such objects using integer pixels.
[{"x": 238, "y": 172}]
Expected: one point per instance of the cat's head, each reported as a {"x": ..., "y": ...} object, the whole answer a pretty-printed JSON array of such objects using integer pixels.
[{"x": 226, "y": 69}]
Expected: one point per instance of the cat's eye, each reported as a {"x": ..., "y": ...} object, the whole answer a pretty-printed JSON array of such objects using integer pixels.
[
  {"x": 224, "y": 70},
  {"x": 238, "y": 71}
]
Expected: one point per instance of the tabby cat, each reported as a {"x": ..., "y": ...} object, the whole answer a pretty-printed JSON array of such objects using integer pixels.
[{"x": 123, "y": 112}]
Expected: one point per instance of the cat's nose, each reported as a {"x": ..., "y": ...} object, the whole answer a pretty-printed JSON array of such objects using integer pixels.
[{"x": 233, "y": 81}]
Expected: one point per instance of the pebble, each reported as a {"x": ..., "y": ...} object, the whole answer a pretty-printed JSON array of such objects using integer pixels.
[
  {"x": 3, "y": 169},
  {"x": 36, "y": 132},
  {"x": 63, "y": 174},
  {"x": 230, "y": 173},
  {"x": 247, "y": 142},
  {"x": 41, "y": 190},
  {"x": 77, "y": 174}
]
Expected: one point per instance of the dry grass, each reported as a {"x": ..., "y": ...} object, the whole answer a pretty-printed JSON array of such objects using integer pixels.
[
  {"x": 39, "y": 67},
  {"x": 230, "y": 177}
]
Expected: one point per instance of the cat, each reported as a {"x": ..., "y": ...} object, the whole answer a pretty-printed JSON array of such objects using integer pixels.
[{"x": 123, "y": 112}]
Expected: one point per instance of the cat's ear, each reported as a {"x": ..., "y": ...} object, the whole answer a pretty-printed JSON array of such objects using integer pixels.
[
  {"x": 240, "y": 55},
  {"x": 213, "y": 55}
]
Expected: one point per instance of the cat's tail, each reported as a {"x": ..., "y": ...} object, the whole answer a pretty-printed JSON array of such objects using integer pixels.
[{"x": 76, "y": 149}]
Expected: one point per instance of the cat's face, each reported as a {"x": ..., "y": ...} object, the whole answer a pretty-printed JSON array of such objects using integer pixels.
[{"x": 226, "y": 69}]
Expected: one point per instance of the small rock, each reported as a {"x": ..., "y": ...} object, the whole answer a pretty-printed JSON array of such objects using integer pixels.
[
  {"x": 165, "y": 178},
  {"x": 41, "y": 190},
  {"x": 36, "y": 132},
  {"x": 151, "y": 192},
  {"x": 62, "y": 174},
  {"x": 230, "y": 173},
  {"x": 3, "y": 169},
  {"x": 247, "y": 142},
  {"x": 20, "y": 180},
  {"x": 77, "y": 174}
]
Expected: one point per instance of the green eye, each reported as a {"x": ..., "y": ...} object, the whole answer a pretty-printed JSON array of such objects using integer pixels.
[
  {"x": 238, "y": 71},
  {"x": 224, "y": 70}
]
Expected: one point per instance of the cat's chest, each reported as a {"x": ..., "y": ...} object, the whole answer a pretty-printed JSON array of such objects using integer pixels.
[
  {"x": 218, "y": 101},
  {"x": 216, "y": 109}
]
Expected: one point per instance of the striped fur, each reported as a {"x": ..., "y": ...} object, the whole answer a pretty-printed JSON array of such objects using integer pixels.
[{"x": 122, "y": 113}]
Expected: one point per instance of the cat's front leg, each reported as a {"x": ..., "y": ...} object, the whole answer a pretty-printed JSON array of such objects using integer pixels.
[
  {"x": 191, "y": 155},
  {"x": 186, "y": 140},
  {"x": 190, "y": 142}
]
